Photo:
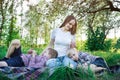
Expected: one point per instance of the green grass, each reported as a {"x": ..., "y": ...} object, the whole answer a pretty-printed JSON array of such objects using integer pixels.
[
  {"x": 110, "y": 57},
  {"x": 2, "y": 77},
  {"x": 3, "y": 50},
  {"x": 65, "y": 73}
]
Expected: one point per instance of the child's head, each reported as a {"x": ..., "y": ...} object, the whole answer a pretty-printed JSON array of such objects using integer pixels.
[
  {"x": 73, "y": 54},
  {"x": 15, "y": 43},
  {"x": 51, "y": 53}
]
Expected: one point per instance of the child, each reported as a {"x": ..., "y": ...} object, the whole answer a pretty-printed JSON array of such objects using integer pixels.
[
  {"x": 29, "y": 60},
  {"x": 96, "y": 63}
]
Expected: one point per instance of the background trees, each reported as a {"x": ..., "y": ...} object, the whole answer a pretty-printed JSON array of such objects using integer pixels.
[{"x": 95, "y": 20}]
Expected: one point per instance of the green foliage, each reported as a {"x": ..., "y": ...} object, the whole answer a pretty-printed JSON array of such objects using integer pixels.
[
  {"x": 108, "y": 44},
  {"x": 117, "y": 45},
  {"x": 107, "y": 76},
  {"x": 3, "y": 50},
  {"x": 111, "y": 58},
  {"x": 80, "y": 45},
  {"x": 66, "y": 73},
  {"x": 25, "y": 49},
  {"x": 26, "y": 46},
  {"x": 10, "y": 33},
  {"x": 95, "y": 40},
  {"x": 2, "y": 77},
  {"x": 44, "y": 75}
]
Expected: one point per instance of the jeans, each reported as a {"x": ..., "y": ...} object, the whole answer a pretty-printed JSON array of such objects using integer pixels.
[
  {"x": 100, "y": 62},
  {"x": 54, "y": 63},
  {"x": 69, "y": 62}
]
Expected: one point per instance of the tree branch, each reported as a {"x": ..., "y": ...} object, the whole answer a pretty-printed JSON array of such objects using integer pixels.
[
  {"x": 90, "y": 24},
  {"x": 116, "y": 1},
  {"x": 111, "y": 7},
  {"x": 98, "y": 10}
]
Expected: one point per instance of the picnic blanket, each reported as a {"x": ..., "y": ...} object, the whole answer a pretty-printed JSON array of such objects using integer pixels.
[{"x": 21, "y": 73}]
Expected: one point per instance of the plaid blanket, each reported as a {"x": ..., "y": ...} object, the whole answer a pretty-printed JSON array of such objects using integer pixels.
[{"x": 21, "y": 73}]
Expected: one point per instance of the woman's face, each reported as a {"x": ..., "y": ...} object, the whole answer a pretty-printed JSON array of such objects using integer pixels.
[{"x": 69, "y": 25}]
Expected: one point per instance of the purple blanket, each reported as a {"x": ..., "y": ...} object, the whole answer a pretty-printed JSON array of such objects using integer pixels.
[{"x": 21, "y": 73}]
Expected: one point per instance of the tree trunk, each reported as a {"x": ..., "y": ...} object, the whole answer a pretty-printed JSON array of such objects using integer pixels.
[
  {"x": 3, "y": 19},
  {"x": 11, "y": 25}
]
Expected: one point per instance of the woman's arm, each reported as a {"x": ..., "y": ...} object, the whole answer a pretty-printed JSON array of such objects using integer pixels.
[
  {"x": 73, "y": 45},
  {"x": 73, "y": 42}
]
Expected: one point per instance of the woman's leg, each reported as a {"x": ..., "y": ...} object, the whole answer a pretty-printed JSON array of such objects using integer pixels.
[
  {"x": 69, "y": 62},
  {"x": 52, "y": 64},
  {"x": 3, "y": 64}
]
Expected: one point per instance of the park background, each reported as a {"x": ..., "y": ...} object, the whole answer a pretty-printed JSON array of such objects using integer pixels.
[{"x": 31, "y": 21}]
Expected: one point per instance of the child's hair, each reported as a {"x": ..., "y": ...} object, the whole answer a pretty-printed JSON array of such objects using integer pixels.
[
  {"x": 53, "y": 53},
  {"x": 71, "y": 51}
]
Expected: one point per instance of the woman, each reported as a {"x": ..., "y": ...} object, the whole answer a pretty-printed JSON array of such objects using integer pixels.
[{"x": 63, "y": 38}]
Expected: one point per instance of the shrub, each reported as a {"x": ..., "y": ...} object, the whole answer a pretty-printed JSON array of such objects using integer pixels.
[
  {"x": 95, "y": 40},
  {"x": 117, "y": 45},
  {"x": 108, "y": 44}
]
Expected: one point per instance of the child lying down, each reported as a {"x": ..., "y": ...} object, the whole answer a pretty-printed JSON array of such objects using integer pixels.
[{"x": 85, "y": 60}]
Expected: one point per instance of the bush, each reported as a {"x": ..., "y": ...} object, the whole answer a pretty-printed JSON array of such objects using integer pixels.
[
  {"x": 117, "y": 45},
  {"x": 80, "y": 45},
  {"x": 95, "y": 40},
  {"x": 108, "y": 45}
]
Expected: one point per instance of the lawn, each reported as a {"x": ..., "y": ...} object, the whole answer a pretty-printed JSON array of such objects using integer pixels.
[{"x": 65, "y": 73}]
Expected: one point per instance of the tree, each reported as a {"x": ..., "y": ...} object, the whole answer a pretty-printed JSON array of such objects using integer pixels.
[{"x": 8, "y": 20}]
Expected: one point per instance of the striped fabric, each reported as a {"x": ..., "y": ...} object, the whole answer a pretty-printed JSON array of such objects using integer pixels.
[{"x": 21, "y": 73}]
